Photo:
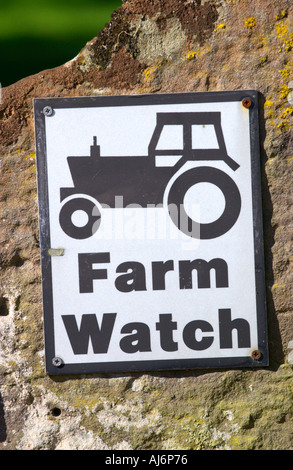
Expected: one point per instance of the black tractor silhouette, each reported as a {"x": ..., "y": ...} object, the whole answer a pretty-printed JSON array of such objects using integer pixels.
[{"x": 141, "y": 182}]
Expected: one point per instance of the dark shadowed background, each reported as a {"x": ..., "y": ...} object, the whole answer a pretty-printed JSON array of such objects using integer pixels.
[{"x": 40, "y": 34}]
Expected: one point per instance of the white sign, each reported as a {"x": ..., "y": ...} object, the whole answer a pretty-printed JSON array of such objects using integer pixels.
[{"x": 151, "y": 232}]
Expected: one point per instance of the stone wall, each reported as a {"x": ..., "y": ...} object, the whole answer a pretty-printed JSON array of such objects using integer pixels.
[{"x": 152, "y": 46}]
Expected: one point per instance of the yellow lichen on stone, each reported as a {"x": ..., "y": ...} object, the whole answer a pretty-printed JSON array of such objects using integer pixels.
[
  {"x": 284, "y": 72},
  {"x": 269, "y": 109},
  {"x": 284, "y": 91},
  {"x": 286, "y": 36},
  {"x": 191, "y": 55},
  {"x": 220, "y": 26},
  {"x": 282, "y": 29},
  {"x": 282, "y": 14},
  {"x": 285, "y": 123},
  {"x": 250, "y": 23},
  {"x": 150, "y": 71},
  {"x": 31, "y": 156},
  {"x": 277, "y": 286},
  {"x": 287, "y": 112}
]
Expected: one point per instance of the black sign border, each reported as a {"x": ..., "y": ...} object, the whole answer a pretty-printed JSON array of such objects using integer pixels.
[{"x": 44, "y": 227}]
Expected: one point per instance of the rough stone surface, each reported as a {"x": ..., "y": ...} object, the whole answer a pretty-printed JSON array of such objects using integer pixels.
[{"x": 152, "y": 46}]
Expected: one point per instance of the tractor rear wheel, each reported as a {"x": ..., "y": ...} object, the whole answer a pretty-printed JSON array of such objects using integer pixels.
[{"x": 196, "y": 229}]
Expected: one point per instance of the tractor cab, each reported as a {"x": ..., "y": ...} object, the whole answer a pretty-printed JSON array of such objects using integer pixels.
[{"x": 181, "y": 137}]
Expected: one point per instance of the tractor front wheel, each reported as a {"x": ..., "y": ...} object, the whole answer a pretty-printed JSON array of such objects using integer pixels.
[{"x": 88, "y": 228}]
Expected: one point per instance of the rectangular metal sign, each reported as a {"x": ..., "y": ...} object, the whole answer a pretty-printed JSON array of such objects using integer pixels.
[{"x": 151, "y": 232}]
